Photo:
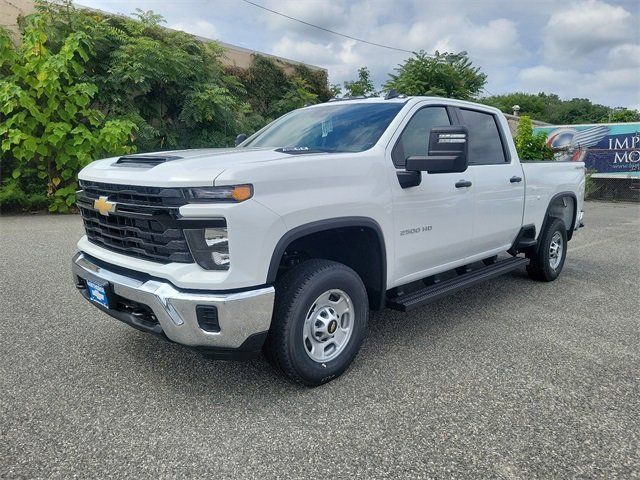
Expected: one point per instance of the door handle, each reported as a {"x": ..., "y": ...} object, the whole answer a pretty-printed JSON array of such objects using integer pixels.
[
  {"x": 463, "y": 184},
  {"x": 515, "y": 179}
]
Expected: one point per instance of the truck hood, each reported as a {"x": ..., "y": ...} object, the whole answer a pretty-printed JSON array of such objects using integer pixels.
[{"x": 197, "y": 167}]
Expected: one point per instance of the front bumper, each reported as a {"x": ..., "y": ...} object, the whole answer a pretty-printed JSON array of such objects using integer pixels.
[{"x": 156, "y": 306}]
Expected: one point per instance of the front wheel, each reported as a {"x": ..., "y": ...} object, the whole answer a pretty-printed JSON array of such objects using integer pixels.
[
  {"x": 548, "y": 259},
  {"x": 319, "y": 322}
]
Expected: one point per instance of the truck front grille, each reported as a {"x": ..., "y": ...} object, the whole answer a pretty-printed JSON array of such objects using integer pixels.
[{"x": 143, "y": 225}]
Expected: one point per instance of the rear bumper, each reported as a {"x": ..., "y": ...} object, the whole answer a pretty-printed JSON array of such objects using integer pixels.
[{"x": 157, "y": 307}]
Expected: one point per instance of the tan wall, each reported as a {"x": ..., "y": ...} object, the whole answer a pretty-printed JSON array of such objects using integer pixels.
[
  {"x": 9, "y": 12},
  {"x": 241, "y": 57}
]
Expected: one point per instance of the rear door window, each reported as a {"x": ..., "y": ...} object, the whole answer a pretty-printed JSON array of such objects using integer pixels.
[{"x": 485, "y": 141}]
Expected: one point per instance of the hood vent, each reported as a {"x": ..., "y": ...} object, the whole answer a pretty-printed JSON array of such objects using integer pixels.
[{"x": 144, "y": 161}]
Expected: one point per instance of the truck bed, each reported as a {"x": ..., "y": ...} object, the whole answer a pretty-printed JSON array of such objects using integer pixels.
[{"x": 546, "y": 179}]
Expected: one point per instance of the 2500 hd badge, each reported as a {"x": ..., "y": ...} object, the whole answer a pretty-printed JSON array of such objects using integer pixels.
[{"x": 409, "y": 231}]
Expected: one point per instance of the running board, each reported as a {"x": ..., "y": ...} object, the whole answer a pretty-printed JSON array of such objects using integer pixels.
[{"x": 421, "y": 297}]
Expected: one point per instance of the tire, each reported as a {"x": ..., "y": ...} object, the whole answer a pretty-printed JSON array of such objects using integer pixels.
[
  {"x": 545, "y": 265},
  {"x": 303, "y": 341}
]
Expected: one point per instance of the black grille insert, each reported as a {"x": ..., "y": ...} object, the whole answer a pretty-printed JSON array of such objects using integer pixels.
[
  {"x": 143, "y": 225},
  {"x": 134, "y": 194}
]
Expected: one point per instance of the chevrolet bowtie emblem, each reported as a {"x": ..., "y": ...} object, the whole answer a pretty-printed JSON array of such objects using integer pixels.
[{"x": 104, "y": 206}]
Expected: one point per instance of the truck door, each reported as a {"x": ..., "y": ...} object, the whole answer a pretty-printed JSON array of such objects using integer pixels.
[
  {"x": 498, "y": 184},
  {"x": 433, "y": 220}
]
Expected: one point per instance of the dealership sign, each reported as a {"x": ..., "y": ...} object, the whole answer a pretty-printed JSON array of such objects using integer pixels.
[{"x": 606, "y": 148}]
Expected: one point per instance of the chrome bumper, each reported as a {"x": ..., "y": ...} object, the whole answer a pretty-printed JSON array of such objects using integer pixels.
[{"x": 240, "y": 315}]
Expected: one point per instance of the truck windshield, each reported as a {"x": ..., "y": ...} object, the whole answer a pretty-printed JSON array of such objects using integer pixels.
[{"x": 328, "y": 128}]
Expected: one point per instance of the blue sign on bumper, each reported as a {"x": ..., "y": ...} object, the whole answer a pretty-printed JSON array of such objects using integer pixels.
[{"x": 97, "y": 294}]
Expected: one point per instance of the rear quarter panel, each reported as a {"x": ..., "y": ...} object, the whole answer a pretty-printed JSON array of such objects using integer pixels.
[{"x": 546, "y": 180}]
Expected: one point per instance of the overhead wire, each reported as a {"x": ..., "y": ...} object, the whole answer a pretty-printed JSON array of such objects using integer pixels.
[{"x": 351, "y": 37}]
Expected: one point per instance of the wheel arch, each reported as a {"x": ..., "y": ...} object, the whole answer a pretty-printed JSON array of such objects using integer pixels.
[
  {"x": 374, "y": 275},
  {"x": 551, "y": 212}
]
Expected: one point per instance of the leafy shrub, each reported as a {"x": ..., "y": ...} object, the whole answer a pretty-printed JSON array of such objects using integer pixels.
[
  {"x": 297, "y": 96},
  {"x": 530, "y": 146},
  {"x": 85, "y": 84},
  {"x": 15, "y": 197},
  {"x": 590, "y": 187},
  {"x": 48, "y": 128}
]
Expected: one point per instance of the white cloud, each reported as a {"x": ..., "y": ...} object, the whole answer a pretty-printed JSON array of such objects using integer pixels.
[
  {"x": 493, "y": 45},
  {"x": 625, "y": 55},
  {"x": 573, "y": 36},
  {"x": 498, "y": 40},
  {"x": 327, "y": 14},
  {"x": 619, "y": 87},
  {"x": 199, "y": 27},
  {"x": 588, "y": 48},
  {"x": 315, "y": 53}
]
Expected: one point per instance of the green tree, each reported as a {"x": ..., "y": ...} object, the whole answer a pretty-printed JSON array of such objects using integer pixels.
[
  {"x": 577, "y": 110},
  {"x": 550, "y": 108},
  {"x": 266, "y": 83},
  {"x": 150, "y": 74},
  {"x": 361, "y": 87},
  {"x": 623, "y": 115},
  {"x": 271, "y": 92},
  {"x": 316, "y": 80},
  {"x": 298, "y": 96},
  {"x": 336, "y": 90},
  {"x": 443, "y": 74},
  {"x": 48, "y": 127},
  {"x": 531, "y": 146},
  {"x": 535, "y": 106}
]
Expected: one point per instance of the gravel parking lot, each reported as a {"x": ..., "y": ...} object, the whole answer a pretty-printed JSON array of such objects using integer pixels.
[{"x": 512, "y": 379}]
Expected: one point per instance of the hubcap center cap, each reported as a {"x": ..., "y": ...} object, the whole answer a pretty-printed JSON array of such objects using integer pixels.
[
  {"x": 325, "y": 324},
  {"x": 332, "y": 326}
]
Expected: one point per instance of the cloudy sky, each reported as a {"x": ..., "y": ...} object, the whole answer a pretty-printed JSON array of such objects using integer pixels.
[{"x": 581, "y": 48}]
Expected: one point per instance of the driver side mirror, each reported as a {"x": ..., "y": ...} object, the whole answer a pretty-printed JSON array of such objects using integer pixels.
[
  {"x": 241, "y": 138},
  {"x": 447, "y": 153}
]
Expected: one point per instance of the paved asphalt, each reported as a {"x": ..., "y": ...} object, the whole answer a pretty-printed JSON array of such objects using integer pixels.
[{"x": 513, "y": 379}]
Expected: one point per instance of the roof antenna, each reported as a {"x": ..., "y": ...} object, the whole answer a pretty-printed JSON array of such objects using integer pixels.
[{"x": 393, "y": 93}]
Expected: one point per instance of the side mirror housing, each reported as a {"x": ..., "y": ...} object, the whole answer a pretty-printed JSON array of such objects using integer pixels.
[
  {"x": 241, "y": 138},
  {"x": 447, "y": 153}
]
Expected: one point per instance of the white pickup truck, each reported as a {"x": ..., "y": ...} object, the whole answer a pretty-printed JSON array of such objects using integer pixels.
[{"x": 284, "y": 243}]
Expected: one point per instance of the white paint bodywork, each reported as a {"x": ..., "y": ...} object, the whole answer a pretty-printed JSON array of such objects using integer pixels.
[{"x": 466, "y": 224}]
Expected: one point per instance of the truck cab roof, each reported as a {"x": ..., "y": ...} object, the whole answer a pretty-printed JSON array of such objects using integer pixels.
[{"x": 410, "y": 101}]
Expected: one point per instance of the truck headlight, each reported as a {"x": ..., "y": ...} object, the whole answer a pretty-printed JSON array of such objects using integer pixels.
[
  {"x": 209, "y": 247},
  {"x": 230, "y": 194}
]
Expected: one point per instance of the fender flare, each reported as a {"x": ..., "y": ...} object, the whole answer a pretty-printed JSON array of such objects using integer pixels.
[
  {"x": 329, "y": 224},
  {"x": 575, "y": 211}
]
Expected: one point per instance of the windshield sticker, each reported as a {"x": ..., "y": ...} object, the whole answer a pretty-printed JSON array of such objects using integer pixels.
[{"x": 327, "y": 128}]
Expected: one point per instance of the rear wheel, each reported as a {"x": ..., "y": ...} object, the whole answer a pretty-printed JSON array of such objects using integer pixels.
[
  {"x": 320, "y": 320},
  {"x": 548, "y": 259}
]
